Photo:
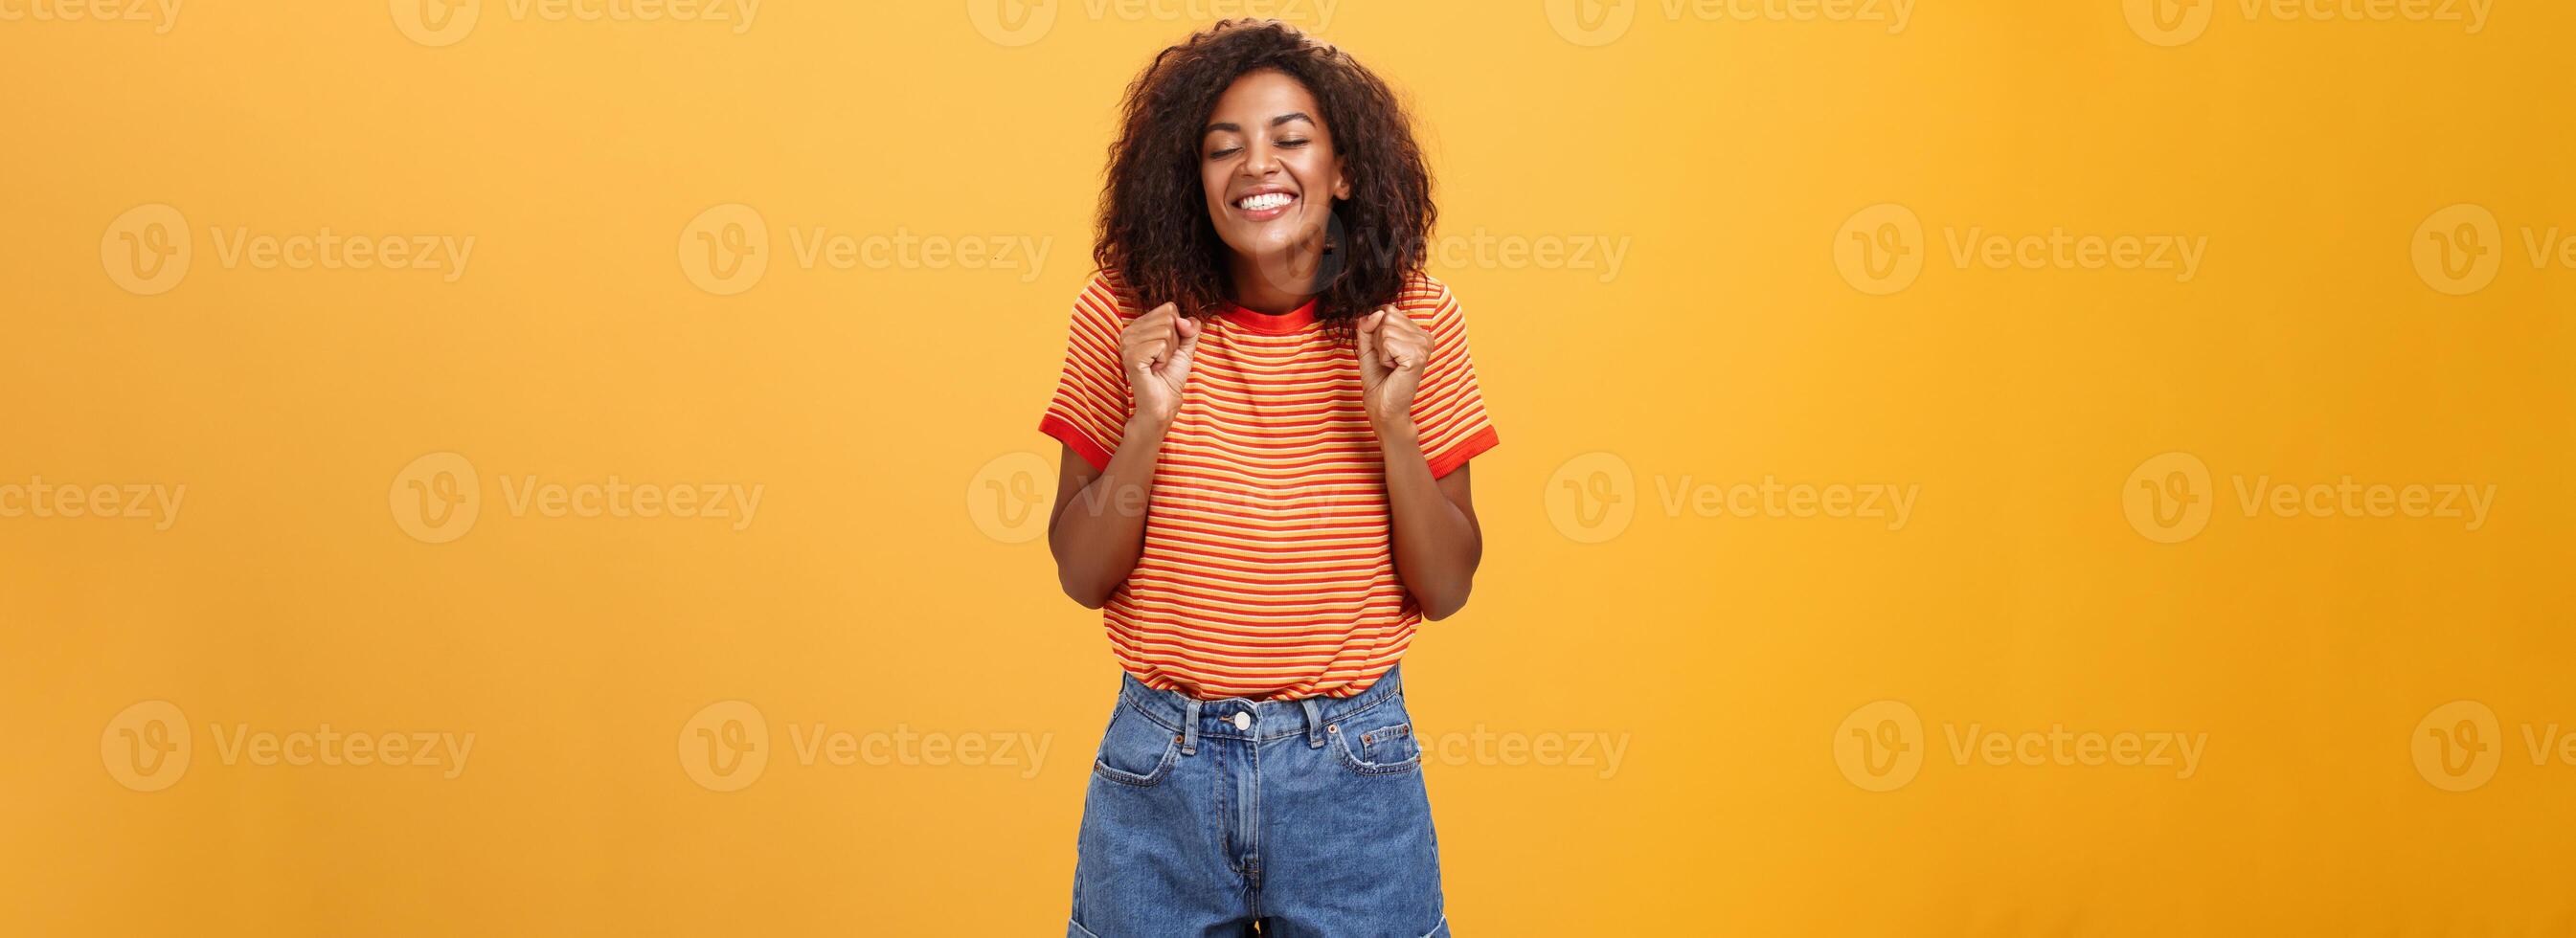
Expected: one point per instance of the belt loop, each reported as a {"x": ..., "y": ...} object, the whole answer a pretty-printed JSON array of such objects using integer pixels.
[
  {"x": 1314, "y": 722},
  {"x": 1190, "y": 728}
]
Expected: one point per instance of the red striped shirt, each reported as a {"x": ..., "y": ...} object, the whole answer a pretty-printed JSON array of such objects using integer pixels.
[{"x": 1268, "y": 569}]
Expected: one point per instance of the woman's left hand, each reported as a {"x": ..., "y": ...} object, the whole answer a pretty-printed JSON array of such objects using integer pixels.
[{"x": 1394, "y": 351}]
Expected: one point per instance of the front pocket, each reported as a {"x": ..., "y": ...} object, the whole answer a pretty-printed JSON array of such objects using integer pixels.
[
  {"x": 1390, "y": 745},
  {"x": 1377, "y": 748},
  {"x": 1135, "y": 750}
]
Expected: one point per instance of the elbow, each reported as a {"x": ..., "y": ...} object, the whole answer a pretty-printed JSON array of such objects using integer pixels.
[
  {"x": 1436, "y": 608},
  {"x": 1090, "y": 596}
]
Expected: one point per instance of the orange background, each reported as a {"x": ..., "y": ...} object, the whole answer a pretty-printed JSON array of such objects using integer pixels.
[{"x": 887, "y": 583}]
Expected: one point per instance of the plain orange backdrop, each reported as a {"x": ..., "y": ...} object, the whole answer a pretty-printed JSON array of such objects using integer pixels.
[{"x": 1802, "y": 198}]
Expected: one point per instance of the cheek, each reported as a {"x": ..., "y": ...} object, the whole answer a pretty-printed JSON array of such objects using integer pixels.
[
  {"x": 1211, "y": 185},
  {"x": 1323, "y": 172}
]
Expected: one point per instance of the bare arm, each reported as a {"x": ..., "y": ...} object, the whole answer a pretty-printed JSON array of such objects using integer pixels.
[
  {"x": 1097, "y": 529},
  {"x": 1437, "y": 541}
]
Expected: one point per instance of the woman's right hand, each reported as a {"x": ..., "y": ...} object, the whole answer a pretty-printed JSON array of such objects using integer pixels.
[{"x": 1156, "y": 349}]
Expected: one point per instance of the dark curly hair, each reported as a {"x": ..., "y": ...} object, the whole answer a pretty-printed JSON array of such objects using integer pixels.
[{"x": 1154, "y": 230}]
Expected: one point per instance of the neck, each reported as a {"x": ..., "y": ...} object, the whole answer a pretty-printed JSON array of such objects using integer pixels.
[{"x": 1275, "y": 285}]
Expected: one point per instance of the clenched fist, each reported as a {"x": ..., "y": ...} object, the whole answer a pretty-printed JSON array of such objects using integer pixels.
[
  {"x": 1394, "y": 351},
  {"x": 1156, "y": 349}
]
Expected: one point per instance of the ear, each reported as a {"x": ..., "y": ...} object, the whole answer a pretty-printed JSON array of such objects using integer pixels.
[{"x": 1341, "y": 182}]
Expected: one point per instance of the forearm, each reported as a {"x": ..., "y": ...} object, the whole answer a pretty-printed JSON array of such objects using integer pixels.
[
  {"x": 1099, "y": 532},
  {"x": 1437, "y": 543}
]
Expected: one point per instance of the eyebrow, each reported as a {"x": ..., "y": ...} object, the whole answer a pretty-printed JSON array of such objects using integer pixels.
[{"x": 1274, "y": 122}]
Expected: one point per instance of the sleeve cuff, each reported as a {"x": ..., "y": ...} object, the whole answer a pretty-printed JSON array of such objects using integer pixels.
[
  {"x": 1081, "y": 443},
  {"x": 1459, "y": 452}
]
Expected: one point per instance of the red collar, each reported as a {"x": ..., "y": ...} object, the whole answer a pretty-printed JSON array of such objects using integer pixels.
[{"x": 1286, "y": 323}]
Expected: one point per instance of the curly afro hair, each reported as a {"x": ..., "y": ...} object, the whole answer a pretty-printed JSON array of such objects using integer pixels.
[{"x": 1154, "y": 230}]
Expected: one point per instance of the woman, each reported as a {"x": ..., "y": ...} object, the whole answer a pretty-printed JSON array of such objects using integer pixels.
[{"x": 1267, "y": 412}]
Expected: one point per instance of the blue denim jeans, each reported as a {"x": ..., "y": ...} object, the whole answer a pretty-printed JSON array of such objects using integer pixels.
[{"x": 1308, "y": 816}]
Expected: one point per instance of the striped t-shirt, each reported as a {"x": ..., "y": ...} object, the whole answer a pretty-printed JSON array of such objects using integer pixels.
[{"x": 1268, "y": 570}]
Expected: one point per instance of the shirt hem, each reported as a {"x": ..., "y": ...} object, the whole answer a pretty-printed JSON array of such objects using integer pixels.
[
  {"x": 1072, "y": 436},
  {"x": 1458, "y": 453}
]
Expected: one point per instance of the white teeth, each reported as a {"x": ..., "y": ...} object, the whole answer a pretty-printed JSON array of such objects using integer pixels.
[{"x": 1266, "y": 200}]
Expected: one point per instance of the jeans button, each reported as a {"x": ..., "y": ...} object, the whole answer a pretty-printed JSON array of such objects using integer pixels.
[{"x": 1243, "y": 721}]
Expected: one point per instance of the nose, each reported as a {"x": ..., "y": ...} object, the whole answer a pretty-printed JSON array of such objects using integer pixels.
[{"x": 1260, "y": 159}]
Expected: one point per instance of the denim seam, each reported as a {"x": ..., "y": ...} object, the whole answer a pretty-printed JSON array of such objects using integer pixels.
[
  {"x": 1102, "y": 768},
  {"x": 1140, "y": 706},
  {"x": 1353, "y": 762}
]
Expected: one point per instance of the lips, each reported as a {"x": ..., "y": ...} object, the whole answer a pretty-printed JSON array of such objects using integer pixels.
[{"x": 1265, "y": 205}]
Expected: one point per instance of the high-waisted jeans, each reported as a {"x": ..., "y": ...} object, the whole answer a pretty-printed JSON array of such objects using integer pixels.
[{"x": 1306, "y": 815}]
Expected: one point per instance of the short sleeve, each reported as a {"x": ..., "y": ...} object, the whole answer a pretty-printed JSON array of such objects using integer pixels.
[
  {"x": 1448, "y": 408},
  {"x": 1091, "y": 404}
]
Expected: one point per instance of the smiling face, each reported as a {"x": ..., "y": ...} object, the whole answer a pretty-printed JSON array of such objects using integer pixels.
[{"x": 1270, "y": 172}]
